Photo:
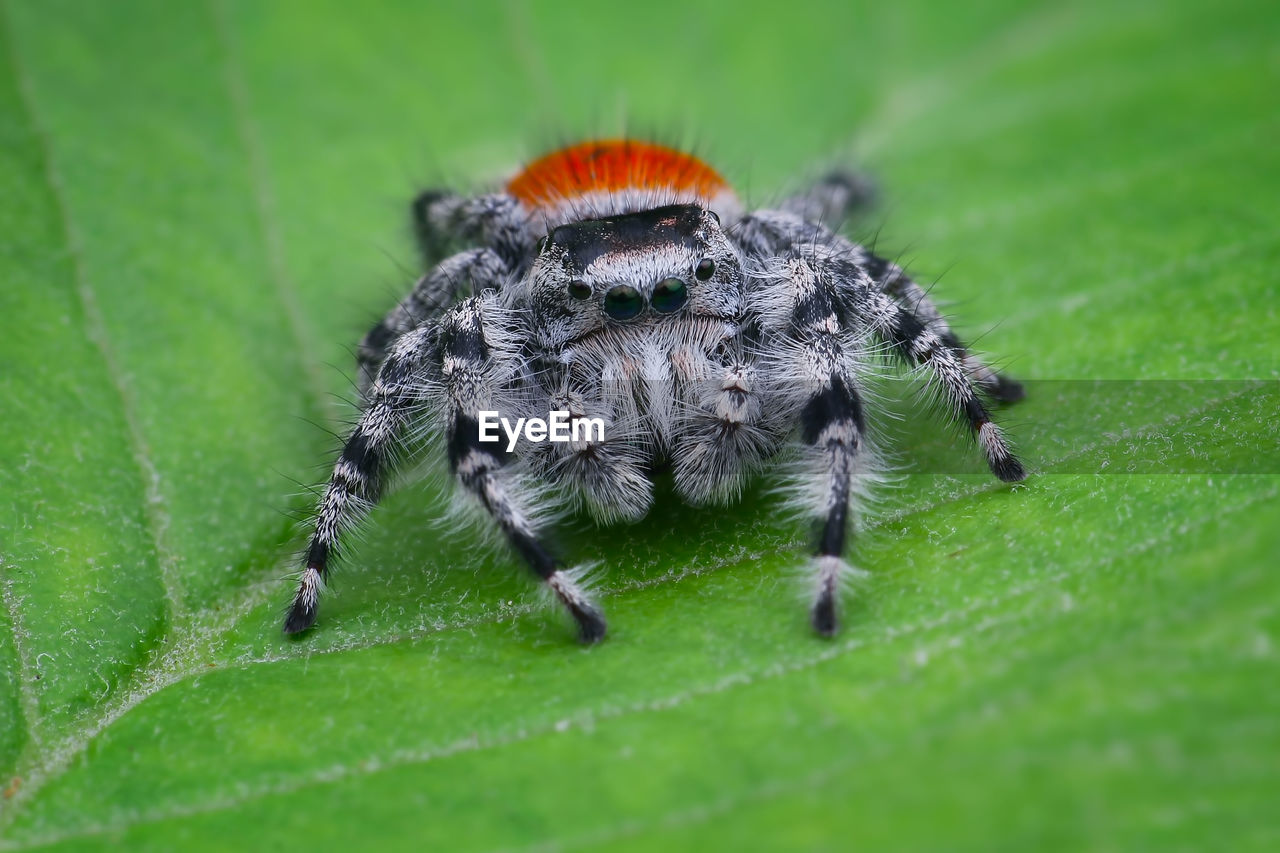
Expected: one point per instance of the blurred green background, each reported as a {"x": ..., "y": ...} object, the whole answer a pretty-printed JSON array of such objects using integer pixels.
[{"x": 204, "y": 208}]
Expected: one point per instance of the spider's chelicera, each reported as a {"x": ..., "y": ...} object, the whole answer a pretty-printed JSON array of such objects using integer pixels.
[{"x": 621, "y": 282}]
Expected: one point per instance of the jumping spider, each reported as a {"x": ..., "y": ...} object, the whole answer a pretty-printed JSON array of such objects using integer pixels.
[{"x": 622, "y": 280}]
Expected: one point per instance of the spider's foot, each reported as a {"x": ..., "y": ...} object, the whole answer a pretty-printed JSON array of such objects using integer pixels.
[
  {"x": 591, "y": 623},
  {"x": 1006, "y": 390},
  {"x": 833, "y": 575},
  {"x": 1000, "y": 458},
  {"x": 302, "y": 614},
  {"x": 823, "y": 615},
  {"x": 856, "y": 189},
  {"x": 299, "y": 619},
  {"x": 1009, "y": 469}
]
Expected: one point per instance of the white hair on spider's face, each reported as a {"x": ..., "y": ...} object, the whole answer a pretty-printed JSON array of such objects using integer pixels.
[{"x": 622, "y": 281}]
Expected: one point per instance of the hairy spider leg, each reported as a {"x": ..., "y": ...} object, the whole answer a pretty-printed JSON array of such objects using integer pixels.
[
  {"x": 360, "y": 472},
  {"x": 465, "y": 274},
  {"x": 832, "y": 424},
  {"x": 469, "y": 380},
  {"x": 897, "y": 284},
  {"x": 832, "y": 199},
  {"x": 445, "y": 222}
]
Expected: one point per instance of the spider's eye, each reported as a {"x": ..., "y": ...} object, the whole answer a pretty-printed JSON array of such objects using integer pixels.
[
  {"x": 669, "y": 295},
  {"x": 579, "y": 290},
  {"x": 705, "y": 269},
  {"x": 623, "y": 302}
]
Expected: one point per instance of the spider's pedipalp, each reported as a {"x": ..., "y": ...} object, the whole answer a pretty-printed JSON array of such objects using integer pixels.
[
  {"x": 727, "y": 433},
  {"x": 609, "y": 478},
  {"x": 603, "y": 467}
]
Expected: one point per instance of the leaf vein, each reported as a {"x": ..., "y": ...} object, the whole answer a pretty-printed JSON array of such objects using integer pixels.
[
  {"x": 588, "y": 721},
  {"x": 282, "y": 280},
  {"x": 27, "y": 698},
  {"x": 182, "y": 662},
  {"x": 155, "y": 512},
  {"x": 702, "y": 812}
]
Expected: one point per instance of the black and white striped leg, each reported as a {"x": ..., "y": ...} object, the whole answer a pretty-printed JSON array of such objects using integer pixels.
[
  {"x": 839, "y": 264},
  {"x": 766, "y": 233},
  {"x": 832, "y": 423},
  {"x": 470, "y": 379},
  {"x": 358, "y": 476},
  {"x": 921, "y": 346},
  {"x": 897, "y": 284},
  {"x": 466, "y": 273},
  {"x": 445, "y": 222},
  {"x": 832, "y": 428}
]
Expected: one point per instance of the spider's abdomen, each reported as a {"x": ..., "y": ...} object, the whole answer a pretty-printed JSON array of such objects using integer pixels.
[{"x": 612, "y": 177}]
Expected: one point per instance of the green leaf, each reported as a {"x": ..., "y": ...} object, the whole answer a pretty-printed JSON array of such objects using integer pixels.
[{"x": 204, "y": 209}]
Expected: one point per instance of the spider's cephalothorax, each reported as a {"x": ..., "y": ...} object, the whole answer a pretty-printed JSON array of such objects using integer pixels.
[{"x": 622, "y": 283}]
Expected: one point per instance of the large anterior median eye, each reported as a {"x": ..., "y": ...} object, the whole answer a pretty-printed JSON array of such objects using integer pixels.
[
  {"x": 623, "y": 302},
  {"x": 669, "y": 295}
]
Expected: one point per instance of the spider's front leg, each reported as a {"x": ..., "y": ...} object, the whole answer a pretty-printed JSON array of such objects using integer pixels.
[
  {"x": 472, "y": 375},
  {"x": 452, "y": 362},
  {"x": 811, "y": 353},
  {"x": 361, "y": 469}
]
